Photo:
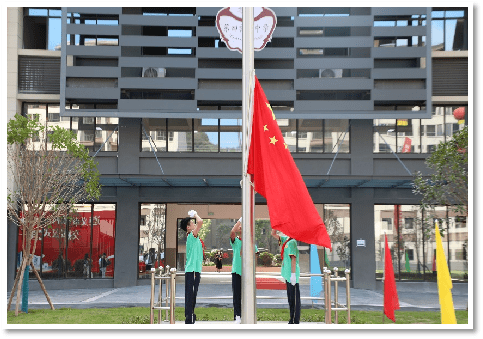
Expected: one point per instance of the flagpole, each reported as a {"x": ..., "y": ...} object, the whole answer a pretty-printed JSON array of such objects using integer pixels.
[
  {"x": 248, "y": 310},
  {"x": 384, "y": 275}
]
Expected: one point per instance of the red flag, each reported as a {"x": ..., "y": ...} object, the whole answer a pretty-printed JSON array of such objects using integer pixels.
[
  {"x": 276, "y": 177},
  {"x": 407, "y": 146},
  {"x": 391, "y": 301}
]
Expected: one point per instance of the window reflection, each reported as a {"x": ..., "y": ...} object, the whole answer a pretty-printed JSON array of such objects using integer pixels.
[
  {"x": 206, "y": 135},
  {"x": 337, "y": 136},
  {"x": 410, "y": 235},
  {"x": 152, "y": 238},
  {"x": 449, "y": 30},
  {"x": 337, "y": 221},
  {"x": 72, "y": 246},
  {"x": 310, "y": 136},
  {"x": 180, "y": 133},
  {"x": 230, "y": 135}
]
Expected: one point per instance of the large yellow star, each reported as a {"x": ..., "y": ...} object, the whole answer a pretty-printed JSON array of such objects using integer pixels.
[
  {"x": 265, "y": 128},
  {"x": 273, "y": 140},
  {"x": 273, "y": 115}
]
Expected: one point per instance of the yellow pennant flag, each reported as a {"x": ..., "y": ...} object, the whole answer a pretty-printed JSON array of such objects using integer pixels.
[{"x": 444, "y": 283}]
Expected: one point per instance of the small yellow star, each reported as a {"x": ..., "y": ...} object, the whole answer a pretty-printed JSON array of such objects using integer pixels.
[
  {"x": 273, "y": 140},
  {"x": 285, "y": 145},
  {"x": 265, "y": 128}
]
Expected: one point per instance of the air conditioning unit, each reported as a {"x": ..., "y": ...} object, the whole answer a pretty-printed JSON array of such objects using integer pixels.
[
  {"x": 154, "y": 72},
  {"x": 330, "y": 73}
]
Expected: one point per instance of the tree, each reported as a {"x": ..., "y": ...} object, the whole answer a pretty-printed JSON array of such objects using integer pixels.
[
  {"x": 448, "y": 184},
  {"x": 50, "y": 172}
]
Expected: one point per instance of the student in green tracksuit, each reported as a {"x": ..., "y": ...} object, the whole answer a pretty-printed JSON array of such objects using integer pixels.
[
  {"x": 194, "y": 262},
  {"x": 291, "y": 274},
  {"x": 236, "y": 270}
]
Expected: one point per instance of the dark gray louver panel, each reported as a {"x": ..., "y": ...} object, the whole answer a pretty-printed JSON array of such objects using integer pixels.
[
  {"x": 450, "y": 76},
  {"x": 38, "y": 75}
]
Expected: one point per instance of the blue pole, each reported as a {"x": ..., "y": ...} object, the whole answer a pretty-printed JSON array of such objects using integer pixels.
[{"x": 25, "y": 290}]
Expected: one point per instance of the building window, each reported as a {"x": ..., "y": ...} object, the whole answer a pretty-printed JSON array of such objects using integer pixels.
[
  {"x": 416, "y": 135},
  {"x": 96, "y": 133},
  {"x": 152, "y": 238},
  {"x": 74, "y": 245},
  {"x": 42, "y": 28},
  {"x": 230, "y": 135},
  {"x": 206, "y": 135},
  {"x": 413, "y": 234},
  {"x": 153, "y": 134},
  {"x": 182, "y": 132},
  {"x": 449, "y": 29},
  {"x": 409, "y": 223},
  {"x": 225, "y": 135}
]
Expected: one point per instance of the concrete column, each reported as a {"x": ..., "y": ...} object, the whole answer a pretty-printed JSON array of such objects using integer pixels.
[
  {"x": 361, "y": 144},
  {"x": 127, "y": 234},
  {"x": 129, "y": 145},
  {"x": 363, "y": 257}
]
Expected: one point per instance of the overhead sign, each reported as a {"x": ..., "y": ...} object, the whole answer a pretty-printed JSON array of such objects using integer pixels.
[{"x": 229, "y": 24}]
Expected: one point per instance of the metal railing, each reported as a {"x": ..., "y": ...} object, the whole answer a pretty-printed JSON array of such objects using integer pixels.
[
  {"x": 169, "y": 279},
  {"x": 328, "y": 279}
]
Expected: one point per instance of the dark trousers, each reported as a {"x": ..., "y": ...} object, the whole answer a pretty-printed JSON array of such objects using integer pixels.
[
  {"x": 236, "y": 288},
  {"x": 293, "y": 295},
  {"x": 192, "y": 281}
]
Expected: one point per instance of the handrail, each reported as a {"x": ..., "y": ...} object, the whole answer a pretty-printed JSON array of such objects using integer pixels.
[{"x": 169, "y": 277}]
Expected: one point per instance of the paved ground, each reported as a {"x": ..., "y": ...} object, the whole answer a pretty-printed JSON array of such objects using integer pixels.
[{"x": 412, "y": 296}]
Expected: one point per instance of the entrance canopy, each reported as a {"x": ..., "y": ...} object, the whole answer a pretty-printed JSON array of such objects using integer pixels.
[{"x": 332, "y": 182}]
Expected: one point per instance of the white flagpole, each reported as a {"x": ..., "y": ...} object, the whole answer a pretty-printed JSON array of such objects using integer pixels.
[{"x": 248, "y": 309}]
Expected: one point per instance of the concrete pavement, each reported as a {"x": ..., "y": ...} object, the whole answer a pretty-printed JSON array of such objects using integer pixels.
[{"x": 421, "y": 296}]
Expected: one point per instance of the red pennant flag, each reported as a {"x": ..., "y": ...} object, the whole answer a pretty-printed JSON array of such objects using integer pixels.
[
  {"x": 276, "y": 177},
  {"x": 391, "y": 300}
]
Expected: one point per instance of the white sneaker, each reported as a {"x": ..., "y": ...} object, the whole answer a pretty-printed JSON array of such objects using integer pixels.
[{"x": 237, "y": 319}]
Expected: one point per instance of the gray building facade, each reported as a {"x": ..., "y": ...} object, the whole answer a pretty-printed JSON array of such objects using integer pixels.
[{"x": 337, "y": 75}]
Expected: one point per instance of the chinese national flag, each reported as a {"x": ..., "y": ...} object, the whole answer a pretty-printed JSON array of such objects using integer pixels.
[
  {"x": 276, "y": 177},
  {"x": 391, "y": 300}
]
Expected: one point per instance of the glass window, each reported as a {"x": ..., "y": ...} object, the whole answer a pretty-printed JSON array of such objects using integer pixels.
[
  {"x": 103, "y": 235},
  {"x": 337, "y": 221},
  {"x": 54, "y": 262},
  {"x": 155, "y": 129},
  {"x": 449, "y": 30},
  {"x": 182, "y": 134},
  {"x": 408, "y": 140},
  {"x": 152, "y": 235},
  {"x": 79, "y": 242},
  {"x": 230, "y": 135},
  {"x": 68, "y": 247},
  {"x": 415, "y": 242},
  {"x": 310, "y": 136},
  {"x": 336, "y": 136},
  {"x": 384, "y": 135},
  {"x": 86, "y": 131},
  {"x": 449, "y": 35},
  {"x": 54, "y": 34},
  {"x": 289, "y": 131},
  {"x": 106, "y": 134},
  {"x": 437, "y": 35},
  {"x": 47, "y": 32},
  {"x": 206, "y": 135}
]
